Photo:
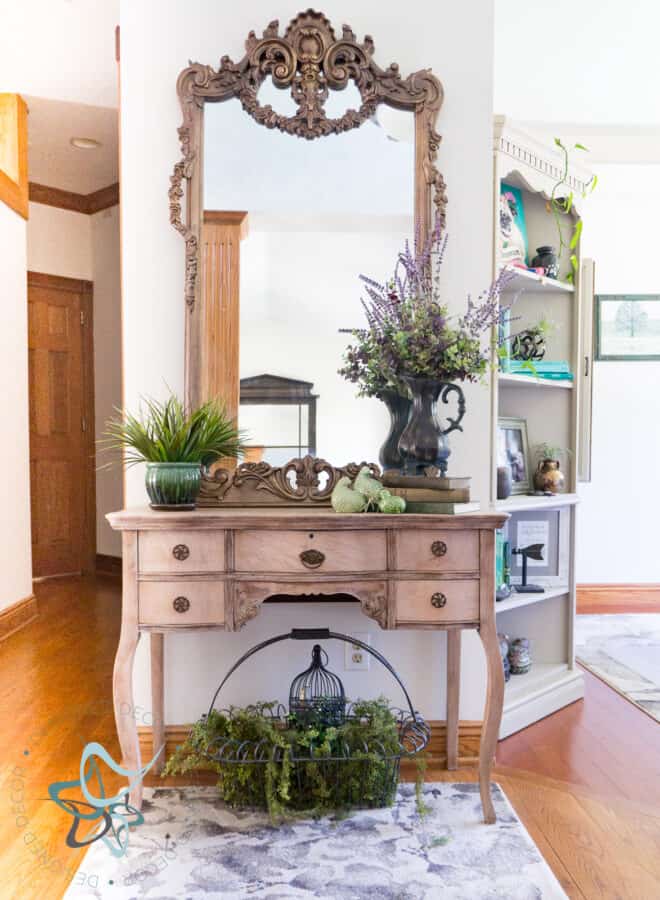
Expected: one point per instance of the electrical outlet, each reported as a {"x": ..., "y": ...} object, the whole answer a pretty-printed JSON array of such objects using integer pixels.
[{"x": 355, "y": 658}]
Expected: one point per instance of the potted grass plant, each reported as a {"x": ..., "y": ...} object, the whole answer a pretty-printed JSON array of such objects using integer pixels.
[{"x": 176, "y": 444}]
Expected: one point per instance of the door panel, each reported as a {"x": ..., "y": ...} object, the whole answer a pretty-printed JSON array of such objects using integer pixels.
[
  {"x": 584, "y": 376},
  {"x": 59, "y": 467}
]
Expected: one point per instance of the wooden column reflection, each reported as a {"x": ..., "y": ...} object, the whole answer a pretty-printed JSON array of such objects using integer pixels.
[{"x": 222, "y": 233}]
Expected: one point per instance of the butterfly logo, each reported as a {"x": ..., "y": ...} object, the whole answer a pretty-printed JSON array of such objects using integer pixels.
[{"x": 110, "y": 817}]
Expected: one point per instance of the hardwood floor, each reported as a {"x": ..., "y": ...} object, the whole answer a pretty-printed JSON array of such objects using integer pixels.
[{"x": 585, "y": 782}]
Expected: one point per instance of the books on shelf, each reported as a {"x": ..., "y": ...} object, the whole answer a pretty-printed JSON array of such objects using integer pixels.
[
  {"x": 446, "y": 509},
  {"x": 427, "y": 482},
  {"x": 426, "y": 495},
  {"x": 558, "y": 370}
]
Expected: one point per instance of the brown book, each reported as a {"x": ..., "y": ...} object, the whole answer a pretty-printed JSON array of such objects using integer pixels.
[
  {"x": 459, "y": 495},
  {"x": 428, "y": 482}
]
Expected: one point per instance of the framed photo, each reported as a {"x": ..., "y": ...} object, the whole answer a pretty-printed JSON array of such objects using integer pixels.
[
  {"x": 628, "y": 327},
  {"x": 513, "y": 450},
  {"x": 513, "y": 230}
]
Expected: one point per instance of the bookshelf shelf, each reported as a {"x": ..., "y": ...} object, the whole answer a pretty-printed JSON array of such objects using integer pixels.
[
  {"x": 513, "y": 379},
  {"x": 516, "y": 601},
  {"x": 532, "y": 283},
  {"x": 522, "y": 502}
]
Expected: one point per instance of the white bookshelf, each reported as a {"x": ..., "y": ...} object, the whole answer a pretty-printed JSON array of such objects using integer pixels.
[{"x": 556, "y": 412}]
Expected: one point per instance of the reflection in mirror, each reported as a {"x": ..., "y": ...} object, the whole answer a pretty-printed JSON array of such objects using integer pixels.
[
  {"x": 279, "y": 415},
  {"x": 319, "y": 213}
]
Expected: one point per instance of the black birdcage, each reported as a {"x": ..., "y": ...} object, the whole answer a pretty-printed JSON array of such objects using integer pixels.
[{"x": 317, "y": 695}]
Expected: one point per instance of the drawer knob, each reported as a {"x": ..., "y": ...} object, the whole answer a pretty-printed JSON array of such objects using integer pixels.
[
  {"x": 181, "y": 604},
  {"x": 438, "y": 548},
  {"x": 181, "y": 551},
  {"x": 438, "y": 600},
  {"x": 312, "y": 559}
]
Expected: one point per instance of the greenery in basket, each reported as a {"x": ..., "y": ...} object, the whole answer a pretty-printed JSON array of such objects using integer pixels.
[
  {"x": 410, "y": 332},
  {"x": 167, "y": 432},
  {"x": 285, "y": 784}
]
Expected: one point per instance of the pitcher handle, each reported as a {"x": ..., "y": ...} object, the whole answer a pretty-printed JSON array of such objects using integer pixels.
[{"x": 454, "y": 424}]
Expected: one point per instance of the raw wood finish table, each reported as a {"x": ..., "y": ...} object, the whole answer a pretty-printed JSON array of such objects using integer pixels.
[{"x": 213, "y": 568}]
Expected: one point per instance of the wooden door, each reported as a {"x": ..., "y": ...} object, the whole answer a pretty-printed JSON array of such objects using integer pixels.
[{"x": 61, "y": 424}]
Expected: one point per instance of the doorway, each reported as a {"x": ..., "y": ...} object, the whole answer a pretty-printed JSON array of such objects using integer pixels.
[{"x": 62, "y": 452}]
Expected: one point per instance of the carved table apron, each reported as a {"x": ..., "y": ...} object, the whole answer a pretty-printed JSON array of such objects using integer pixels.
[{"x": 213, "y": 568}]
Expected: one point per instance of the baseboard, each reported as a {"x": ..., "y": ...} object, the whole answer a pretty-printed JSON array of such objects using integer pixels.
[
  {"x": 108, "y": 565},
  {"x": 469, "y": 737},
  {"x": 618, "y": 598},
  {"x": 17, "y": 616}
]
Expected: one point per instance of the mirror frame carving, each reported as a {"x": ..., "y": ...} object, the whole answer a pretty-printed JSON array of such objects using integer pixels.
[{"x": 310, "y": 60}]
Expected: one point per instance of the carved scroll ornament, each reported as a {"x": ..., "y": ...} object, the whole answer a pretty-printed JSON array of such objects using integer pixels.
[
  {"x": 309, "y": 60},
  {"x": 298, "y": 483}
]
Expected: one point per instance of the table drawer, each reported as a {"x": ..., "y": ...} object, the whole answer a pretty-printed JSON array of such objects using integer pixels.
[
  {"x": 299, "y": 552},
  {"x": 426, "y": 602},
  {"x": 437, "y": 550},
  {"x": 182, "y": 603},
  {"x": 181, "y": 552}
]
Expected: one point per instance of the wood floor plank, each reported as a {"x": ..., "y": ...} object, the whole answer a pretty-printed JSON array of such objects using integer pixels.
[{"x": 585, "y": 781}]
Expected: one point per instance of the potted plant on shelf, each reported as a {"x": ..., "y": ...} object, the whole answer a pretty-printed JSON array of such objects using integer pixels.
[
  {"x": 548, "y": 476},
  {"x": 176, "y": 445},
  {"x": 415, "y": 349}
]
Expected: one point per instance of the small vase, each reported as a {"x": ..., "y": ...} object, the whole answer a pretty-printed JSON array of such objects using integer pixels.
[
  {"x": 399, "y": 407},
  {"x": 504, "y": 482},
  {"x": 520, "y": 656},
  {"x": 423, "y": 442},
  {"x": 546, "y": 258},
  {"x": 173, "y": 485},
  {"x": 549, "y": 477}
]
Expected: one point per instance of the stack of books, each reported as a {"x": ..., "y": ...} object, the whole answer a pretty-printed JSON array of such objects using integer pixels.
[
  {"x": 431, "y": 493},
  {"x": 555, "y": 370}
]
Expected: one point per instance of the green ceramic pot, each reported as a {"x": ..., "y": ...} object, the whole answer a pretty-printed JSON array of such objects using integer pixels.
[{"x": 173, "y": 485}]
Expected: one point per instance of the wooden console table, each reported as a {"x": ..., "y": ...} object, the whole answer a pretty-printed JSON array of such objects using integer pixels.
[{"x": 213, "y": 568}]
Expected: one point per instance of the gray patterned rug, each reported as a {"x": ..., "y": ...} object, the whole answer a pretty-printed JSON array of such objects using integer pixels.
[
  {"x": 191, "y": 846},
  {"x": 623, "y": 650}
]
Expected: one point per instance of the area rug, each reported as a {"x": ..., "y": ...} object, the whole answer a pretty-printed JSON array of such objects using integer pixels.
[
  {"x": 623, "y": 650},
  {"x": 191, "y": 846}
]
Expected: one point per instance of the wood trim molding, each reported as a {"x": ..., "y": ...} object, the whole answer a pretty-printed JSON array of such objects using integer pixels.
[
  {"x": 618, "y": 598},
  {"x": 108, "y": 565},
  {"x": 469, "y": 738},
  {"x": 88, "y": 204},
  {"x": 14, "y": 153},
  {"x": 59, "y": 283},
  {"x": 17, "y": 616}
]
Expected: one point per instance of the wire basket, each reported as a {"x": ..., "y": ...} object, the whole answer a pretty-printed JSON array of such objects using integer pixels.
[{"x": 362, "y": 772}]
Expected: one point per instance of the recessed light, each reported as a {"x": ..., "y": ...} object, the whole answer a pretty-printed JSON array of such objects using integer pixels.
[{"x": 84, "y": 143}]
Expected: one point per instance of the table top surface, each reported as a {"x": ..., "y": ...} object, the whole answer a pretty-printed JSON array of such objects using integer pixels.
[{"x": 143, "y": 518}]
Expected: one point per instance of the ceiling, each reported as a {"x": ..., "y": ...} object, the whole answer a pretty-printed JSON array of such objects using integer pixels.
[
  {"x": 51, "y": 158},
  {"x": 606, "y": 143}
]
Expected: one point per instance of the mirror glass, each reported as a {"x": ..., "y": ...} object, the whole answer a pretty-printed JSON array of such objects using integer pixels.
[{"x": 320, "y": 213}]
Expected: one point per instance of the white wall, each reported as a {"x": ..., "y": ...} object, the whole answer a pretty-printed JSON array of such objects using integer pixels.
[
  {"x": 592, "y": 61},
  {"x": 15, "y": 546},
  {"x": 157, "y": 40},
  {"x": 60, "y": 49},
  {"x": 75, "y": 245},
  {"x": 617, "y": 532},
  {"x": 59, "y": 242}
]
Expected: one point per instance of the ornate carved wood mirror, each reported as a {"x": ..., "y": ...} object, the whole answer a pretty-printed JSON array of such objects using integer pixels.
[{"x": 304, "y": 164}]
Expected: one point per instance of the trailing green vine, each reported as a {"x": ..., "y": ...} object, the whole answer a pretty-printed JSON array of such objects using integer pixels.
[{"x": 562, "y": 206}]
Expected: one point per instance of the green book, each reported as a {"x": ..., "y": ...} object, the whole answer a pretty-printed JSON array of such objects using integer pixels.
[{"x": 445, "y": 509}]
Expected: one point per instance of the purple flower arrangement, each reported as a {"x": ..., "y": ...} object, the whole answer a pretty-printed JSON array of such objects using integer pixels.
[{"x": 410, "y": 332}]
